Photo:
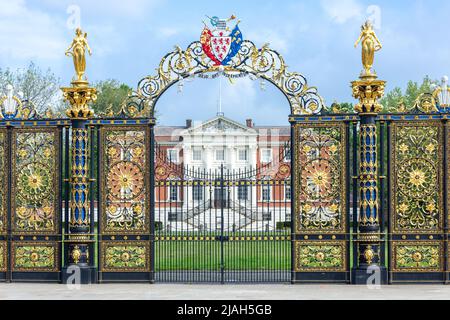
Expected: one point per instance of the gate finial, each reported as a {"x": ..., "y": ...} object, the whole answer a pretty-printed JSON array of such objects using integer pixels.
[
  {"x": 77, "y": 50},
  {"x": 370, "y": 44},
  {"x": 80, "y": 94}
]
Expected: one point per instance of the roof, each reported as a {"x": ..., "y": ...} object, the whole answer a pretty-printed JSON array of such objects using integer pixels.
[{"x": 266, "y": 130}]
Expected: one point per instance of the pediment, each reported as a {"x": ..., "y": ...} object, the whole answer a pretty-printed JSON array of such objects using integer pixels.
[{"x": 220, "y": 124}]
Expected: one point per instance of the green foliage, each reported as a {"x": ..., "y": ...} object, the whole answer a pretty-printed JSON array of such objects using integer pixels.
[
  {"x": 41, "y": 88},
  {"x": 346, "y": 107},
  {"x": 110, "y": 93},
  {"x": 283, "y": 225},
  {"x": 158, "y": 225},
  {"x": 413, "y": 90}
]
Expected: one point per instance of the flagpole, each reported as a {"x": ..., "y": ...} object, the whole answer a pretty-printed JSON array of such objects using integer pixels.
[{"x": 220, "y": 96}]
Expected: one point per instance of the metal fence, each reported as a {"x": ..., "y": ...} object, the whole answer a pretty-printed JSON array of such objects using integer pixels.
[
  {"x": 179, "y": 224},
  {"x": 223, "y": 226}
]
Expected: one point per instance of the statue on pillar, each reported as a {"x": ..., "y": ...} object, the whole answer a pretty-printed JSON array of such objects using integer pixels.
[
  {"x": 77, "y": 50},
  {"x": 79, "y": 246},
  {"x": 370, "y": 44}
]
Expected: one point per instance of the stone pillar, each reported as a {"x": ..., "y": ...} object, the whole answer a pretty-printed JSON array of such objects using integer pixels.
[{"x": 368, "y": 90}]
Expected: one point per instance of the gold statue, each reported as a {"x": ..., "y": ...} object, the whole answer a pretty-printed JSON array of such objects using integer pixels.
[
  {"x": 78, "y": 47},
  {"x": 370, "y": 44}
]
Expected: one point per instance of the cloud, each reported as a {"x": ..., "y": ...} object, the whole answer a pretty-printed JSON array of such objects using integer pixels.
[
  {"x": 123, "y": 9},
  {"x": 167, "y": 32},
  {"x": 277, "y": 40},
  {"x": 27, "y": 33},
  {"x": 343, "y": 10}
]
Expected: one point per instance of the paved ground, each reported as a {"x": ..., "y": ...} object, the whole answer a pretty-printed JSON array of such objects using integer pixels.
[{"x": 217, "y": 292}]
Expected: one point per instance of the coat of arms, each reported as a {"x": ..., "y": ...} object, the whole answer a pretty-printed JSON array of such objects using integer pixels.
[{"x": 220, "y": 43}]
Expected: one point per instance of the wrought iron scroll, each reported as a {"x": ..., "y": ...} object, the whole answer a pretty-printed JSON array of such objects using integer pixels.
[
  {"x": 263, "y": 63},
  {"x": 417, "y": 197},
  {"x": 320, "y": 206},
  {"x": 125, "y": 218}
]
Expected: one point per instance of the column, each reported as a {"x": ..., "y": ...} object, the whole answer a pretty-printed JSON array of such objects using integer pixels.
[
  {"x": 79, "y": 239},
  {"x": 368, "y": 90}
]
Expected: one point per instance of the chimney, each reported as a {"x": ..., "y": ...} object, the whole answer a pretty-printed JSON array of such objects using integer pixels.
[
  {"x": 249, "y": 123},
  {"x": 188, "y": 123}
]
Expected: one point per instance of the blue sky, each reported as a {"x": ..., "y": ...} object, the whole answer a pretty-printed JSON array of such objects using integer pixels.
[{"x": 315, "y": 37}]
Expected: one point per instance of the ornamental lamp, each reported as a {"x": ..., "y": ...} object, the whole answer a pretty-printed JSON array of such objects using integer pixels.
[
  {"x": 444, "y": 97},
  {"x": 10, "y": 103}
]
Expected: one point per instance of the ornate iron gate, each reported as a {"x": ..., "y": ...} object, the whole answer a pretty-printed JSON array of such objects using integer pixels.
[
  {"x": 322, "y": 206},
  {"x": 418, "y": 190},
  {"x": 31, "y": 200},
  {"x": 222, "y": 226},
  {"x": 125, "y": 202}
]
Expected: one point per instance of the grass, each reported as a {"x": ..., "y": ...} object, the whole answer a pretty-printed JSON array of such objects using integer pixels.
[{"x": 238, "y": 255}]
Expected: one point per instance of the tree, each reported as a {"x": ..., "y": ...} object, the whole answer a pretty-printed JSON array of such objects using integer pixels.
[
  {"x": 392, "y": 99},
  {"x": 346, "y": 107},
  {"x": 110, "y": 93},
  {"x": 41, "y": 88}
]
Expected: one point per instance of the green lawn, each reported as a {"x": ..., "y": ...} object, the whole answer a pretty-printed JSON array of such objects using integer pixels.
[{"x": 238, "y": 255}]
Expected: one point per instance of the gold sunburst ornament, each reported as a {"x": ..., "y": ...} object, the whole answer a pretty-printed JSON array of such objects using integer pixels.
[
  {"x": 417, "y": 177},
  {"x": 34, "y": 181}
]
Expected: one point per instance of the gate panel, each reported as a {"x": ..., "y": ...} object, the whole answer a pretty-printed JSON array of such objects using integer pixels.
[
  {"x": 125, "y": 253},
  {"x": 223, "y": 226},
  {"x": 35, "y": 204},
  {"x": 3, "y": 207},
  {"x": 417, "y": 218},
  {"x": 321, "y": 226}
]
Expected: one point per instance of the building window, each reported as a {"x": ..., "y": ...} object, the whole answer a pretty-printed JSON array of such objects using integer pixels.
[
  {"x": 220, "y": 155},
  {"x": 287, "y": 193},
  {"x": 243, "y": 192},
  {"x": 196, "y": 154},
  {"x": 266, "y": 155},
  {"x": 173, "y": 193},
  {"x": 243, "y": 155},
  {"x": 266, "y": 190},
  {"x": 287, "y": 154},
  {"x": 172, "y": 155},
  {"x": 197, "y": 192}
]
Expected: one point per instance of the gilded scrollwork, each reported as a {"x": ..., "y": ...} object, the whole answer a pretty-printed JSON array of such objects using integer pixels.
[
  {"x": 417, "y": 257},
  {"x": 125, "y": 257},
  {"x": 35, "y": 176},
  {"x": 125, "y": 199},
  {"x": 417, "y": 178},
  {"x": 321, "y": 178},
  {"x": 3, "y": 256},
  {"x": 263, "y": 63},
  {"x": 368, "y": 182},
  {"x": 425, "y": 103},
  {"x": 34, "y": 257},
  {"x": 320, "y": 256},
  {"x": 79, "y": 205}
]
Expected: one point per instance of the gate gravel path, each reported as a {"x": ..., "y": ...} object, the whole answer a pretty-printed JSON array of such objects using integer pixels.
[{"x": 217, "y": 292}]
